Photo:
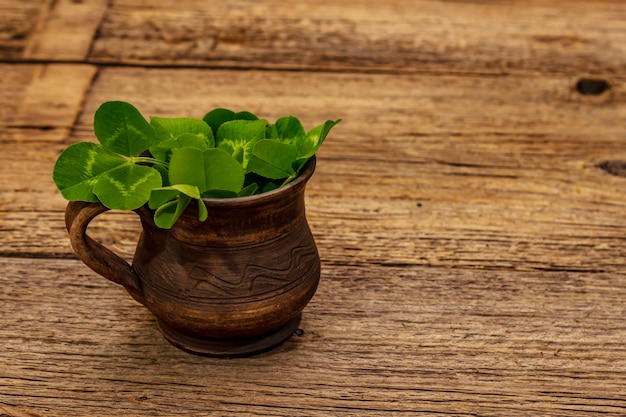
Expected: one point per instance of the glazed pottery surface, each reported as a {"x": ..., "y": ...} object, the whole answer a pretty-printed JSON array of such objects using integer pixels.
[{"x": 233, "y": 285}]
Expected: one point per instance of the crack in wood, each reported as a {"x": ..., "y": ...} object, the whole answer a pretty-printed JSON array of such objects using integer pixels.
[{"x": 614, "y": 167}]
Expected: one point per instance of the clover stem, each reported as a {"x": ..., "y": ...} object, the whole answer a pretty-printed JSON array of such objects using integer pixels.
[{"x": 147, "y": 160}]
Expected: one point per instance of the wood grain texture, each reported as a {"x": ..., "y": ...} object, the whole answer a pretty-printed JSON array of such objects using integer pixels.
[
  {"x": 501, "y": 37},
  {"x": 481, "y": 176},
  {"x": 533, "y": 199},
  {"x": 18, "y": 20},
  {"x": 49, "y": 30},
  {"x": 412, "y": 340},
  {"x": 476, "y": 273},
  {"x": 482, "y": 168},
  {"x": 389, "y": 111},
  {"x": 41, "y": 102},
  {"x": 468, "y": 210}
]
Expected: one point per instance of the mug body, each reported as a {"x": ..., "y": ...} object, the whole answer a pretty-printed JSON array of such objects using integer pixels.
[{"x": 236, "y": 283}]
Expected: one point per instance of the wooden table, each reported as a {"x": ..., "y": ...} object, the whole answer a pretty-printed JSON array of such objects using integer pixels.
[{"x": 469, "y": 211}]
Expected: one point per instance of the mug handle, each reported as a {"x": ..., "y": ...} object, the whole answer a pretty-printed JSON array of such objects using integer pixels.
[{"x": 103, "y": 261}]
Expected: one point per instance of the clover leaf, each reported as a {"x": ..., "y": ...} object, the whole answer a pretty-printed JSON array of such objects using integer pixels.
[
  {"x": 122, "y": 129},
  {"x": 172, "y": 127},
  {"x": 211, "y": 169},
  {"x": 287, "y": 130},
  {"x": 166, "y": 215},
  {"x": 168, "y": 211},
  {"x": 224, "y": 155},
  {"x": 127, "y": 187},
  {"x": 80, "y": 166},
  {"x": 273, "y": 159},
  {"x": 238, "y": 137},
  {"x": 160, "y": 196},
  {"x": 249, "y": 190},
  {"x": 163, "y": 150},
  {"x": 310, "y": 143},
  {"x": 217, "y": 117}
]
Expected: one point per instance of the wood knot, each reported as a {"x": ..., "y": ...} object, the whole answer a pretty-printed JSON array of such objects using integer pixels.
[
  {"x": 614, "y": 167},
  {"x": 593, "y": 87}
]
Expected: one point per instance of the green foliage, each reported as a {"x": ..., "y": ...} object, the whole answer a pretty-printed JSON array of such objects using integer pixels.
[
  {"x": 239, "y": 137},
  {"x": 127, "y": 187},
  {"x": 122, "y": 129},
  {"x": 217, "y": 117},
  {"x": 210, "y": 169},
  {"x": 79, "y": 168},
  {"x": 273, "y": 159},
  {"x": 168, "y": 163},
  {"x": 174, "y": 128}
]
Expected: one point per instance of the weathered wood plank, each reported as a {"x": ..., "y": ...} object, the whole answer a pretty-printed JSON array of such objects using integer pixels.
[
  {"x": 17, "y": 21},
  {"x": 572, "y": 37},
  {"x": 50, "y": 30},
  {"x": 496, "y": 188},
  {"x": 376, "y": 340},
  {"x": 26, "y": 177},
  {"x": 65, "y": 30},
  {"x": 41, "y": 102},
  {"x": 484, "y": 167},
  {"x": 376, "y": 107},
  {"x": 452, "y": 219},
  {"x": 472, "y": 247},
  {"x": 503, "y": 235},
  {"x": 41, "y": 233},
  {"x": 10, "y": 411}
]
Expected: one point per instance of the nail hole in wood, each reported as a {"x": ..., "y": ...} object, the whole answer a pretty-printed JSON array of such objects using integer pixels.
[
  {"x": 593, "y": 87},
  {"x": 614, "y": 167}
]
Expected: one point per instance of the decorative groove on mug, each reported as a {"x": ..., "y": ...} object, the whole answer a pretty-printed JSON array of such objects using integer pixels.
[
  {"x": 207, "y": 281},
  {"x": 207, "y": 286}
]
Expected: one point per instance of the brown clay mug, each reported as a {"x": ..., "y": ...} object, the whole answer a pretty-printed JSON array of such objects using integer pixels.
[{"x": 233, "y": 285}]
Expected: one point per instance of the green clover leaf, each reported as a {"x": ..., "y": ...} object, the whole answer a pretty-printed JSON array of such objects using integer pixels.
[
  {"x": 238, "y": 138},
  {"x": 273, "y": 159},
  {"x": 172, "y": 127},
  {"x": 80, "y": 166},
  {"x": 127, "y": 187},
  {"x": 211, "y": 169},
  {"x": 224, "y": 155},
  {"x": 122, "y": 129},
  {"x": 217, "y": 117}
]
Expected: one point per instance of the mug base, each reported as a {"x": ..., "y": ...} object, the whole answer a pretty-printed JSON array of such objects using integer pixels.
[{"x": 228, "y": 348}]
